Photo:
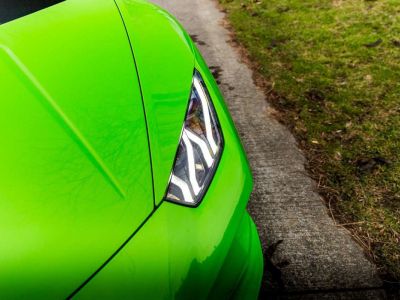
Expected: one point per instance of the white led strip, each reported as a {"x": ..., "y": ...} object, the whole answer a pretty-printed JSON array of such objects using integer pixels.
[
  {"x": 187, "y": 195},
  {"x": 206, "y": 114},
  {"x": 191, "y": 164},
  {"x": 203, "y": 146}
]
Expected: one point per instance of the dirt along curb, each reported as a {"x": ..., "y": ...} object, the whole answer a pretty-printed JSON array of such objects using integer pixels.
[{"x": 304, "y": 249}]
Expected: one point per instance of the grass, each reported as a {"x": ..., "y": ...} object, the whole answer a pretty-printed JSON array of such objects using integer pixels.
[{"x": 332, "y": 71}]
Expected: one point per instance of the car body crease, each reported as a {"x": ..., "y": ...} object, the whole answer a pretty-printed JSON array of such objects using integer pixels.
[
  {"x": 75, "y": 292},
  {"x": 144, "y": 108},
  {"x": 66, "y": 122}
]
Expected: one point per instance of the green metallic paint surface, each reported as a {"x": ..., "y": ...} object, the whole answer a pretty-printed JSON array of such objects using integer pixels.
[
  {"x": 165, "y": 62},
  {"x": 212, "y": 251},
  {"x": 75, "y": 177}
]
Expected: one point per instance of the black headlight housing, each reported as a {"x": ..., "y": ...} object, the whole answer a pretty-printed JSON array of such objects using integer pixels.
[{"x": 199, "y": 150}]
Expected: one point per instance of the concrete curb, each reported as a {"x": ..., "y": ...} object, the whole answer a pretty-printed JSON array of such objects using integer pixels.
[{"x": 304, "y": 249}]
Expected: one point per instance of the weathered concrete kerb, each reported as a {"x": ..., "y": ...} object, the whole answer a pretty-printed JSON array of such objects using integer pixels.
[{"x": 304, "y": 249}]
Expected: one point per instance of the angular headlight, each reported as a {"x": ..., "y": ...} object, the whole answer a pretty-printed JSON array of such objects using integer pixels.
[{"x": 199, "y": 149}]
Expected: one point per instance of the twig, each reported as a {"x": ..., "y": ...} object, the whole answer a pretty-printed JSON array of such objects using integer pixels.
[
  {"x": 331, "y": 211},
  {"x": 353, "y": 223},
  {"x": 271, "y": 89},
  {"x": 319, "y": 181}
]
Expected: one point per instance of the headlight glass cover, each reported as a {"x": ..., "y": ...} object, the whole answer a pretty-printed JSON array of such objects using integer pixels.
[{"x": 199, "y": 149}]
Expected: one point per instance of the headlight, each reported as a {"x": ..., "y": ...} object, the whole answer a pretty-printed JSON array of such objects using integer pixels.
[{"x": 199, "y": 150}]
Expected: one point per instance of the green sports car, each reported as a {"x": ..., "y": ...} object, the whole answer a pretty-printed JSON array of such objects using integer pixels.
[{"x": 121, "y": 172}]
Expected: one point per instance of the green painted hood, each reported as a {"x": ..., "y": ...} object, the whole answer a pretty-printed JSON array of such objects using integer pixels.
[
  {"x": 75, "y": 175},
  {"x": 165, "y": 61}
]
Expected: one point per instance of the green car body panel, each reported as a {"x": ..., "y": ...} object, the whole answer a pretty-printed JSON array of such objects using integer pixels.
[
  {"x": 165, "y": 60},
  {"x": 75, "y": 176},
  {"x": 200, "y": 253},
  {"x": 92, "y": 107}
]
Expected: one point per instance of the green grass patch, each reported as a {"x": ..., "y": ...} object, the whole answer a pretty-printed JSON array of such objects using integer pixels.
[{"x": 334, "y": 71}]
